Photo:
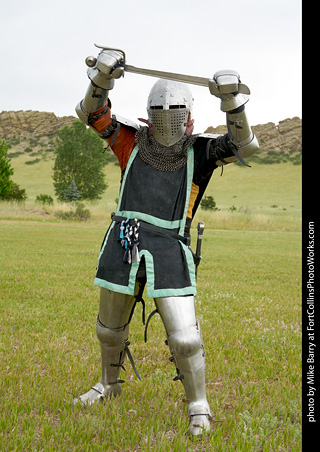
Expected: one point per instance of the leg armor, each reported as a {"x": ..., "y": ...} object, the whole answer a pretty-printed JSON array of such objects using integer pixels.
[
  {"x": 186, "y": 345},
  {"x": 112, "y": 328}
]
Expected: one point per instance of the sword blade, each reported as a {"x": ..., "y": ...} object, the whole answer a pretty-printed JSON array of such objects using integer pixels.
[{"x": 194, "y": 80}]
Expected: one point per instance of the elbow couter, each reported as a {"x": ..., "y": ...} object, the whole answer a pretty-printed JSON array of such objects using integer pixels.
[
  {"x": 248, "y": 149},
  {"x": 82, "y": 114}
]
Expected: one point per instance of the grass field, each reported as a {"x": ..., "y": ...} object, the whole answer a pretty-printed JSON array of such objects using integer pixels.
[{"x": 248, "y": 304}]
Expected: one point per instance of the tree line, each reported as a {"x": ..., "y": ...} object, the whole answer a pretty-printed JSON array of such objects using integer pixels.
[{"x": 78, "y": 167}]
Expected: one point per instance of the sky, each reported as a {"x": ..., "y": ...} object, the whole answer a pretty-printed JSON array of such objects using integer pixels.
[{"x": 44, "y": 44}]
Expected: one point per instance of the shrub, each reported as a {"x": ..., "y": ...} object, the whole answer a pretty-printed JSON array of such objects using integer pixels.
[
  {"x": 208, "y": 203},
  {"x": 44, "y": 199},
  {"x": 31, "y": 162},
  {"x": 80, "y": 213}
]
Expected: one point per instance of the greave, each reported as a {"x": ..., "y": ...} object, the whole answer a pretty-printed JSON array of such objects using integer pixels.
[
  {"x": 112, "y": 344},
  {"x": 188, "y": 355},
  {"x": 186, "y": 346},
  {"x": 112, "y": 329}
]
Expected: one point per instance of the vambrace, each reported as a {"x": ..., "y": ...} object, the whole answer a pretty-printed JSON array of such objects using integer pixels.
[
  {"x": 240, "y": 133},
  {"x": 94, "y": 100},
  {"x": 238, "y": 144},
  {"x": 94, "y": 111}
]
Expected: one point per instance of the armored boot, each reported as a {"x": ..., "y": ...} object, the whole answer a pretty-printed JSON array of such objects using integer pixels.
[{"x": 186, "y": 346}]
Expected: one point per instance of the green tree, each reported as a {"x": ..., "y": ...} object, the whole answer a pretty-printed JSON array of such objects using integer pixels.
[
  {"x": 6, "y": 171},
  {"x": 79, "y": 158},
  {"x": 9, "y": 190},
  {"x": 72, "y": 193}
]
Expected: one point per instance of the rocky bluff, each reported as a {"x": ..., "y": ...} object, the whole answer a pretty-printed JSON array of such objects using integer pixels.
[
  {"x": 21, "y": 124},
  {"x": 285, "y": 136}
]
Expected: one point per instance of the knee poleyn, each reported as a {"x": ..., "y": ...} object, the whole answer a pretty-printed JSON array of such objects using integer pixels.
[
  {"x": 187, "y": 350},
  {"x": 111, "y": 337},
  {"x": 185, "y": 343}
]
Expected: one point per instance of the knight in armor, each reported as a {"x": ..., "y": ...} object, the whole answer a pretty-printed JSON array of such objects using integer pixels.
[{"x": 165, "y": 170}]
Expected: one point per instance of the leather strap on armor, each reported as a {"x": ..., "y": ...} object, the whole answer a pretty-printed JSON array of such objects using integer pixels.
[{"x": 149, "y": 318}]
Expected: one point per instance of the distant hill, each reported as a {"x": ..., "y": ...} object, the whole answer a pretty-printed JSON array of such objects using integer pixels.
[
  {"x": 20, "y": 128},
  {"x": 285, "y": 136},
  {"x": 20, "y": 124}
]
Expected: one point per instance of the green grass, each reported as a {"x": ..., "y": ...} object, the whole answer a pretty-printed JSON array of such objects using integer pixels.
[
  {"x": 262, "y": 189},
  {"x": 248, "y": 304}
]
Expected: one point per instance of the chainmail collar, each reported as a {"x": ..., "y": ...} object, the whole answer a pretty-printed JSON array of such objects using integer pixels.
[{"x": 163, "y": 158}]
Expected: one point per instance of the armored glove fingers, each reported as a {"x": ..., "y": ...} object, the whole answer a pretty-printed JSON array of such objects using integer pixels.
[
  {"x": 108, "y": 66},
  {"x": 227, "y": 86}
]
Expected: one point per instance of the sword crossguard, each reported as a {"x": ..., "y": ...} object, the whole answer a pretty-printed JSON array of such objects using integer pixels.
[
  {"x": 116, "y": 50},
  {"x": 91, "y": 60}
]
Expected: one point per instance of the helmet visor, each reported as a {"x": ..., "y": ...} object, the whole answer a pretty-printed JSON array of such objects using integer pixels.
[{"x": 168, "y": 126}]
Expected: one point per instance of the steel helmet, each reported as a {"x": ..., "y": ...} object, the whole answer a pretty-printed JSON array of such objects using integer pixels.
[{"x": 169, "y": 111}]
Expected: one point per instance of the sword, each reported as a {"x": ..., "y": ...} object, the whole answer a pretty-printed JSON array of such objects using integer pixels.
[
  {"x": 193, "y": 79},
  {"x": 199, "y": 243}
]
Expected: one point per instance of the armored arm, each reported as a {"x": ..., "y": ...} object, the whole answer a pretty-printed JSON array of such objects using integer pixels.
[
  {"x": 107, "y": 67},
  {"x": 240, "y": 135}
]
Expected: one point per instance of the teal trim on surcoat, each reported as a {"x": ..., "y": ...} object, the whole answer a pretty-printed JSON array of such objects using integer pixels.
[
  {"x": 180, "y": 223},
  {"x": 151, "y": 291}
]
